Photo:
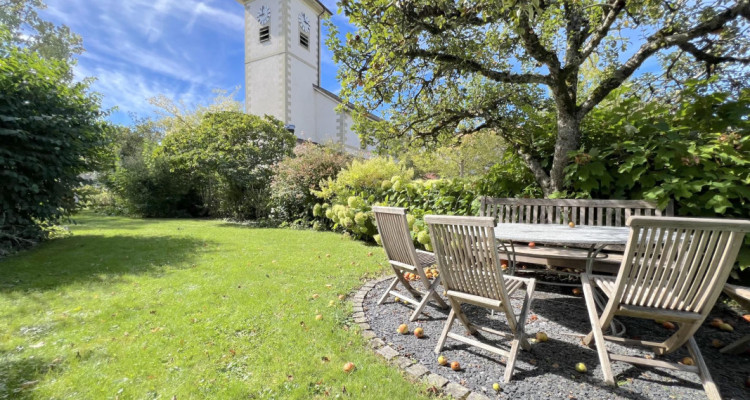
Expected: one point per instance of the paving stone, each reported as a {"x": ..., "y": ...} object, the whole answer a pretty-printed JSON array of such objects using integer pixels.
[
  {"x": 368, "y": 334},
  {"x": 358, "y": 315},
  {"x": 387, "y": 352},
  {"x": 403, "y": 362},
  {"x": 456, "y": 391},
  {"x": 435, "y": 380},
  {"x": 477, "y": 396},
  {"x": 417, "y": 370},
  {"x": 365, "y": 326},
  {"x": 377, "y": 343},
  {"x": 360, "y": 320}
]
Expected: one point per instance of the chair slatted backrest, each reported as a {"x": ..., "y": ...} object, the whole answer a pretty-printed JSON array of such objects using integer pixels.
[
  {"x": 678, "y": 264},
  {"x": 466, "y": 255},
  {"x": 562, "y": 211},
  {"x": 394, "y": 234}
]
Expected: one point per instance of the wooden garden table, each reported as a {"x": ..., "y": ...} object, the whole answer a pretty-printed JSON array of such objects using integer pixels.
[{"x": 593, "y": 238}]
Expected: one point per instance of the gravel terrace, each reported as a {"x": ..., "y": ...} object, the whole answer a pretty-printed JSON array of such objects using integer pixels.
[{"x": 548, "y": 371}]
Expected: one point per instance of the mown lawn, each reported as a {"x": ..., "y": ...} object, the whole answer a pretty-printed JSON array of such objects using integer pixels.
[{"x": 129, "y": 308}]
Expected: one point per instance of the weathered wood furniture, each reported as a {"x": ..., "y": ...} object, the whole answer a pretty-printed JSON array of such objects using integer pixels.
[
  {"x": 404, "y": 257},
  {"x": 466, "y": 253},
  {"x": 741, "y": 295},
  {"x": 674, "y": 269},
  {"x": 562, "y": 211}
]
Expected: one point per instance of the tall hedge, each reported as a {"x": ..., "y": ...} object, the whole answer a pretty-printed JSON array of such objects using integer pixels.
[{"x": 51, "y": 131}]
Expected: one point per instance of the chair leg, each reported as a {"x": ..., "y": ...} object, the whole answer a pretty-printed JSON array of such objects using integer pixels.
[
  {"x": 420, "y": 306},
  {"x": 511, "y": 364},
  {"x": 521, "y": 324},
  {"x": 433, "y": 290},
  {"x": 596, "y": 331},
  {"x": 456, "y": 306},
  {"x": 387, "y": 291},
  {"x": 446, "y": 329},
  {"x": 712, "y": 392}
]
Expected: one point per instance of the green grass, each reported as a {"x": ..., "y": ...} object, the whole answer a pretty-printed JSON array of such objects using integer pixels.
[{"x": 129, "y": 308}]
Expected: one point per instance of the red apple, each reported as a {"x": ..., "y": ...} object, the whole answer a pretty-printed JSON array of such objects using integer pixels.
[
  {"x": 419, "y": 332},
  {"x": 455, "y": 366},
  {"x": 403, "y": 329},
  {"x": 532, "y": 245},
  {"x": 349, "y": 367}
]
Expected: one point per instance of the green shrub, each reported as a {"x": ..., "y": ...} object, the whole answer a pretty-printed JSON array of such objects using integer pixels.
[
  {"x": 228, "y": 161},
  {"x": 297, "y": 177},
  {"x": 695, "y": 151},
  {"x": 51, "y": 131},
  {"x": 363, "y": 178}
]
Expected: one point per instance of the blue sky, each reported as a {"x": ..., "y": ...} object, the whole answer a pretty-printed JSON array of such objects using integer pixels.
[{"x": 183, "y": 49}]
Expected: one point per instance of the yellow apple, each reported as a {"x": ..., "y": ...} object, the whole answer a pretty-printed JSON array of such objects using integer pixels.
[
  {"x": 496, "y": 386},
  {"x": 403, "y": 329},
  {"x": 581, "y": 367},
  {"x": 541, "y": 337},
  {"x": 419, "y": 332},
  {"x": 442, "y": 360}
]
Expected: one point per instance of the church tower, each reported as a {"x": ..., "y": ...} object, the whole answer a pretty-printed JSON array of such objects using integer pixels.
[{"x": 282, "y": 70}]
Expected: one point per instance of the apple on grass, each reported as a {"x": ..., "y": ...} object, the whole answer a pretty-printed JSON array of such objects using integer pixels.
[{"x": 349, "y": 367}]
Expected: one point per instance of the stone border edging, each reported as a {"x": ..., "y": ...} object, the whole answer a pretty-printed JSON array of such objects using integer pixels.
[{"x": 414, "y": 370}]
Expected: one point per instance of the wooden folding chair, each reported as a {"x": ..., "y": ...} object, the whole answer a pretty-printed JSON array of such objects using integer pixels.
[
  {"x": 467, "y": 259},
  {"x": 673, "y": 269},
  {"x": 741, "y": 295},
  {"x": 403, "y": 257}
]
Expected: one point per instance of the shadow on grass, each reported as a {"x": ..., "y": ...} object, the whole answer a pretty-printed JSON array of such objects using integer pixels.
[
  {"x": 18, "y": 376},
  {"x": 93, "y": 258}
]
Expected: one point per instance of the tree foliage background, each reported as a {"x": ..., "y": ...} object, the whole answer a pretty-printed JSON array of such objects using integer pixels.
[
  {"x": 445, "y": 68},
  {"x": 51, "y": 131}
]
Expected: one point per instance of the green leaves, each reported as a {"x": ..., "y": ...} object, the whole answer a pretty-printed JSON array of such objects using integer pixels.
[{"x": 51, "y": 132}]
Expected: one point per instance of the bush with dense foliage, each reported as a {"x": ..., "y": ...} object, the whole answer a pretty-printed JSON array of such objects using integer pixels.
[
  {"x": 297, "y": 177},
  {"x": 695, "y": 151},
  {"x": 348, "y": 199},
  {"x": 51, "y": 131}
]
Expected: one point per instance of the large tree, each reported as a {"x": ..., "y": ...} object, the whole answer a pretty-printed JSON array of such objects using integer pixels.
[
  {"x": 27, "y": 29},
  {"x": 440, "y": 67}
]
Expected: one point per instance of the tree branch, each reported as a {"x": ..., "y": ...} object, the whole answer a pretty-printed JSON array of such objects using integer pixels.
[
  {"x": 660, "y": 40},
  {"x": 473, "y": 66},
  {"x": 535, "y": 48},
  {"x": 616, "y": 6},
  {"x": 702, "y": 55}
]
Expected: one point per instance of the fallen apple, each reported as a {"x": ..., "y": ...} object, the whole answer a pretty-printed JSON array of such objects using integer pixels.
[
  {"x": 746, "y": 317},
  {"x": 331, "y": 303},
  {"x": 397, "y": 299},
  {"x": 716, "y": 322},
  {"x": 342, "y": 296},
  {"x": 668, "y": 325},
  {"x": 442, "y": 360},
  {"x": 577, "y": 291},
  {"x": 726, "y": 327},
  {"x": 541, "y": 337},
  {"x": 581, "y": 367},
  {"x": 315, "y": 296},
  {"x": 349, "y": 367},
  {"x": 319, "y": 317},
  {"x": 717, "y": 343},
  {"x": 403, "y": 329},
  {"x": 496, "y": 386},
  {"x": 419, "y": 332},
  {"x": 532, "y": 245},
  {"x": 455, "y": 366},
  {"x": 688, "y": 361},
  {"x": 572, "y": 224}
]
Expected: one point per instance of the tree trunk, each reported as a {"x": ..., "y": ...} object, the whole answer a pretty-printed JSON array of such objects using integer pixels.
[{"x": 568, "y": 139}]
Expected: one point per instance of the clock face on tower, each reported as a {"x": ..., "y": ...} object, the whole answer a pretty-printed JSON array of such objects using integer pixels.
[
  {"x": 304, "y": 23},
  {"x": 264, "y": 15}
]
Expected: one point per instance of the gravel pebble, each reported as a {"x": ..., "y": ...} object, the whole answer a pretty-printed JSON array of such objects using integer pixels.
[{"x": 548, "y": 370}]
